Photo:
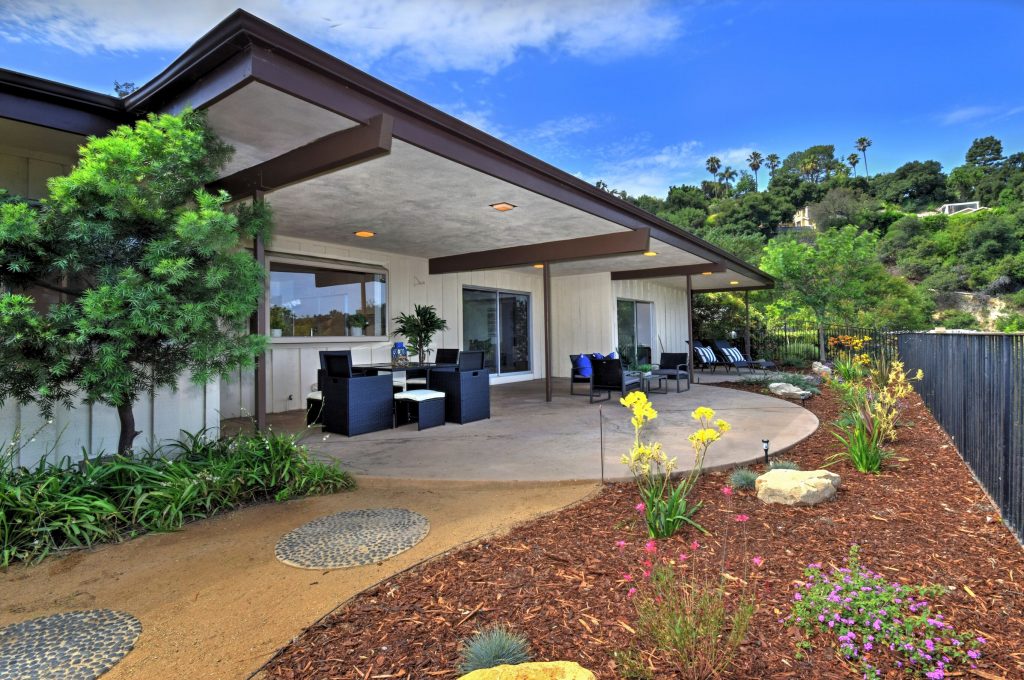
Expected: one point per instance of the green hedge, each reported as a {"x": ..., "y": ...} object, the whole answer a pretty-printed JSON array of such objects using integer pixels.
[{"x": 65, "y": 505}]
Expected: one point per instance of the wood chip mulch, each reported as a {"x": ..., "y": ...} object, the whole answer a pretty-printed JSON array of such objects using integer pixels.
[{"x": 559, "y": 579}]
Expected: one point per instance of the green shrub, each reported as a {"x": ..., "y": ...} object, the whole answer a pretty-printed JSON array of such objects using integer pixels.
[
  {"x": 860, "y": 612},
  {"x": 743, "y": 478},
  {"x": 863, "y": 443},
  {"x": 1011, "y": 323},
  {"x": 804, "y": 382},
  {"x": 955, "y": 318},
  {"x": 783, "y": 464},
  {"x": 492, "y": 647},
  {"x": 63, "y": 505}
]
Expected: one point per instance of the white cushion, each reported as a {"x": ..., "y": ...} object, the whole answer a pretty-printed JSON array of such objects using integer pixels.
[
  {"x": 733, "y": 354},
  {"x": 318, "y": 396},
  {"x": 706, "y": 354},
  {"x": 420, "y": 395},
  {"x": 416, "y": 381}
]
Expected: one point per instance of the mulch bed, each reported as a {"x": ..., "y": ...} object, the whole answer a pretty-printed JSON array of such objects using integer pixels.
[{"x": 558, "y": 579}]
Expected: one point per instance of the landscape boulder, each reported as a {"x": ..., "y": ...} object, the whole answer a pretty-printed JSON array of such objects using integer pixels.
[
  {"x": 797, "y": 487},
  {"x": 820, "y": 369},
  {"x": 540, "y": 670},
  {"x": 788, "y": 391}
]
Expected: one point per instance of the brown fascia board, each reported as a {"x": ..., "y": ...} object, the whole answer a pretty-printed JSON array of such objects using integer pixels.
[
  {"x": 284, "y": 62},
  {"x": 38, "y": 101}
]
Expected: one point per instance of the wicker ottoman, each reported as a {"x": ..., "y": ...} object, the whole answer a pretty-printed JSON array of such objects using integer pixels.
[{"x": 424, "y": 407}]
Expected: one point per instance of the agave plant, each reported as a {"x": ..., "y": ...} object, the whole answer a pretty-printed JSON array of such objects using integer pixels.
[{"x": 419, "y": 328}]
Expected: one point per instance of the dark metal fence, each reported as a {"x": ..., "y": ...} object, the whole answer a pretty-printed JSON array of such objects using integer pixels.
[
  {"x": 974, "y": 386},
  {"x": 798, "y": 344}
]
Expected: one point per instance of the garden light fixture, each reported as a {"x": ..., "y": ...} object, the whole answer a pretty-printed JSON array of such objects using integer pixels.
[{"x": 764, "y": 445}]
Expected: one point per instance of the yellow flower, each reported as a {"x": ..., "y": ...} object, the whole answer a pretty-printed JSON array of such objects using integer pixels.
[
  {"x": 703, "y": 413},
  {"x": 704, "y": 436},
  {"x": 722, "y": 426}
]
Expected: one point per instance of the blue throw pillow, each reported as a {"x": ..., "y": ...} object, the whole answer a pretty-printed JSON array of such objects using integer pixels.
[
  {"x": 597, "y": 355},
  {"x": 612, "y": 355},
  {"x": 584, "y": 368}
]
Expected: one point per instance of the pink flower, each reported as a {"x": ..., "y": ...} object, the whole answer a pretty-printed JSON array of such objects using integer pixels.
[
  {"x": 647, "y": 563},
  {"x": 694, "y": 546},
  {"x": 639, "y": 507},
  {"x": 621, "y": 545},
  {"x": 631, "y": 592},
  {"x": 742, "y": 518},
  {"x": 727, "y": 490},
  {"x": 647, "y": 573},
  {"x": 683, "y": 557},
  {"x": 651, "y": 547},
  {"x": 757, "y": 560}
]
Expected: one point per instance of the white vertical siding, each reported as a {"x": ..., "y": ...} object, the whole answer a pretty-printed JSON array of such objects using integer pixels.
[
  {"x": 669, "y": 312},
  {"x": 582, "y": 318}
]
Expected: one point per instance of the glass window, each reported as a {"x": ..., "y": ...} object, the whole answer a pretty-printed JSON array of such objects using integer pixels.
[
  {"x": 636, "y": 331},
  {"x": 498, "y": 324},
  {"x": 309, "y": 300}
]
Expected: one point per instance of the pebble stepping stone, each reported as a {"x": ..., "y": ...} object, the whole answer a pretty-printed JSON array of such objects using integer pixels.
[
  {"x": 352, "y": 538},
  {"x": 79, "y": 645}
]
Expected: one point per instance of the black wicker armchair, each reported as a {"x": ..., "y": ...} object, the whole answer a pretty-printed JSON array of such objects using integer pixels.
[
  {"x": 353, "y": 403},
  {"x": 673, "y": 366},
  {"x": 609, "y": 376},
  {"x": 466, "y": 387}
]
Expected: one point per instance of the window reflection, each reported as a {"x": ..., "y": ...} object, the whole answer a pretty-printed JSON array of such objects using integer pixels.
[{"x": 317, "y": 301}]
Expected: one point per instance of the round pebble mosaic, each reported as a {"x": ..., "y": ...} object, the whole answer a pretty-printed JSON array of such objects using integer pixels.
[
  {"x": 352, "y": 538},
  {"x": 71, "y": 646}
]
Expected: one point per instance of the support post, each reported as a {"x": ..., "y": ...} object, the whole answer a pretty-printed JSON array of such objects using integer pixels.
[
  {"x": 689, "y": 327},
  {"x": 260, "y": 326},
  {"x": 746, "y": 335},
  {"x": 548, "y": 387}
]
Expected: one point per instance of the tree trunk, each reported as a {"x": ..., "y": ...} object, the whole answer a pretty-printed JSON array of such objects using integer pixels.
[
  {"x": 126, "y": 415},
  {"x": 821, "y": 343}
]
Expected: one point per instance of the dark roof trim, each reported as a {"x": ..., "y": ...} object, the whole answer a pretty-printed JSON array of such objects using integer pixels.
[
  {"x": 54, "y": 105},
  {"x": 661, "y": 272},
  {"x": 732, "y": 289}
]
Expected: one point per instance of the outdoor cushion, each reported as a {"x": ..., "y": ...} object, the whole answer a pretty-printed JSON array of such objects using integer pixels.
[
  {"x": 420, "y": 395},
  {"x": 612, "y": 355},
  {"x": 316, "y": 396},
  {"x": 707, "y": 355},
  {"x": 583, "y": 366},
  {"x": 733, "y": 354},
  {"x": 598, "y": 355}
]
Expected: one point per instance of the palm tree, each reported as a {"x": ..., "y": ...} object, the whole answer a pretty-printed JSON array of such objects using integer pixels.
[
  {"x": 853, "y": 159},
  {"x": 773, "y": 162},
  {"x": 754, "y": 161},
  {"x": 862, "y": 145},
  {"x": 713, "y": 164},
  {"x": 728, "y": 175}
]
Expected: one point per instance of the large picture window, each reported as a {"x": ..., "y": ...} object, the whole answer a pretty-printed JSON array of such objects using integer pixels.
[{"x": 314, "y": 300}]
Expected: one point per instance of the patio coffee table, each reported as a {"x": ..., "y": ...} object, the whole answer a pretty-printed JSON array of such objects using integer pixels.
[
  {"x": 648, "y": 378},
  {"x": 424, "y": 407}
]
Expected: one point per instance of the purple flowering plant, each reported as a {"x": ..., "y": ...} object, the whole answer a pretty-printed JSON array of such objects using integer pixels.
[{"x": 879, "y": 624}]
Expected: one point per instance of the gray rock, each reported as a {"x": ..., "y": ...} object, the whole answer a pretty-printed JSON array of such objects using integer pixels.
[{"x": 788, "y": 391}]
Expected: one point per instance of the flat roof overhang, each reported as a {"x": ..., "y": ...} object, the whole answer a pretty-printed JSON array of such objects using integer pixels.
[{"x": 269, "y": 94}]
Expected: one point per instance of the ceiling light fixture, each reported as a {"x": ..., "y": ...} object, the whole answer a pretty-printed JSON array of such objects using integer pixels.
[
  {"x": 650, "y": 253},
  {"x": 365, "y": 233},
  {"x": 502, "y": 207},
  {"x": 538, "y": 266},
  {"x": 734, "y": 283},
  {"x": 706, "y": 273}
]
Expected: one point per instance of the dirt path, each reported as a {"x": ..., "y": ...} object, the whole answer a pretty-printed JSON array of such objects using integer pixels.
[{"x": 214, "y": 601}]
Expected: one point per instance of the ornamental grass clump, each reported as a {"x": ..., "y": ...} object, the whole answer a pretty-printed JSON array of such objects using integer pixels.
[
  {"x": 743, "y": 478},
  {"x": 881, "y": 626},
  {"x": 783, "y": 464},
  {"x": 495, "y": 646},
  {"x": 666, "y": 507}
]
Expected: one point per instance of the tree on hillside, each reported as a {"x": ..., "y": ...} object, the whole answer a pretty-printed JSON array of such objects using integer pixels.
[
  {"x": 728, "y": 175},
  {"x": 152, "y": 280},
  {"x": 773, "y": 161},
  {"x": 827, "y": 276},
  {"x": 754, "y": 161},
  {"x": 838, "y": 208},
  {"x": 713, "y": 165},
  {"x": 985, "y": 152},
  {"x": 852, "y": 160},
  {"x": 914, "y": 185},
  {"x": 862, "y": 145}
]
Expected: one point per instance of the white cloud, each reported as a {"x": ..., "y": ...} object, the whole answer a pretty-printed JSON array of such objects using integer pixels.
[
  {"x": 974, "y": 114},
  {"x": 434, "y": 36}
]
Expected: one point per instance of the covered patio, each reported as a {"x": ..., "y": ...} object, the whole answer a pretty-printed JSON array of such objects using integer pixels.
[{"x": 528, "y": 439}]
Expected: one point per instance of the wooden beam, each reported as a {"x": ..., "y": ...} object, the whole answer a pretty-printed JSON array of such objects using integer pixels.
[
  {"x": 662, "y": 272},
  {"x": 583, "y": 248},
  {"x": 259, "y": 323},
  {"x": 689, "y": 329},
  {"x": 329, "y": 153}
]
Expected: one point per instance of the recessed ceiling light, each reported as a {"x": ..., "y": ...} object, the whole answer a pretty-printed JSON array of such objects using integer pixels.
[
  {"x": 706, "y": 273},
  {"x": 650, "y": 253},
  {"x": 502, "y": 207},
  {"x": 538, "y": 266},
  {"x": 365, "y": 233},
  {"x": 734, "y": 283}
]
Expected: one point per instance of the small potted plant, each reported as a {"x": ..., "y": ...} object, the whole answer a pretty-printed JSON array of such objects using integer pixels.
[{"x": 357, "y": 323}]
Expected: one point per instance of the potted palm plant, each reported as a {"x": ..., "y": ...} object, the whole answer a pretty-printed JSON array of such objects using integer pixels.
[{"x": 419, "y": 328}]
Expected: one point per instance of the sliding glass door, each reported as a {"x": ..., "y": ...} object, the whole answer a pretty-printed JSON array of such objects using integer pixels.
[
  {"x": 497, "y": 323},
  {"x": 636, "y": 331}
]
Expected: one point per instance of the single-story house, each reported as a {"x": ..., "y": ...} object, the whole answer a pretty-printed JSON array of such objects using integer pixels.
[{"x": 381, "y": 202}]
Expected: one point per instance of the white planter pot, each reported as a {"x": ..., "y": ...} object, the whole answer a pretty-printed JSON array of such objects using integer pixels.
[
  {"x": 355, "y": 331},
  {"x": 276, "y": 332}
]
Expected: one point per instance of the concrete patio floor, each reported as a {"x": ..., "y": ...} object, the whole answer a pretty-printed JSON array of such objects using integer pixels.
[{"x": 527, "y": 439}]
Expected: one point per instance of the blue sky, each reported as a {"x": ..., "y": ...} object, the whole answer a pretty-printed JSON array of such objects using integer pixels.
[{"x": 635, "y": 93}]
